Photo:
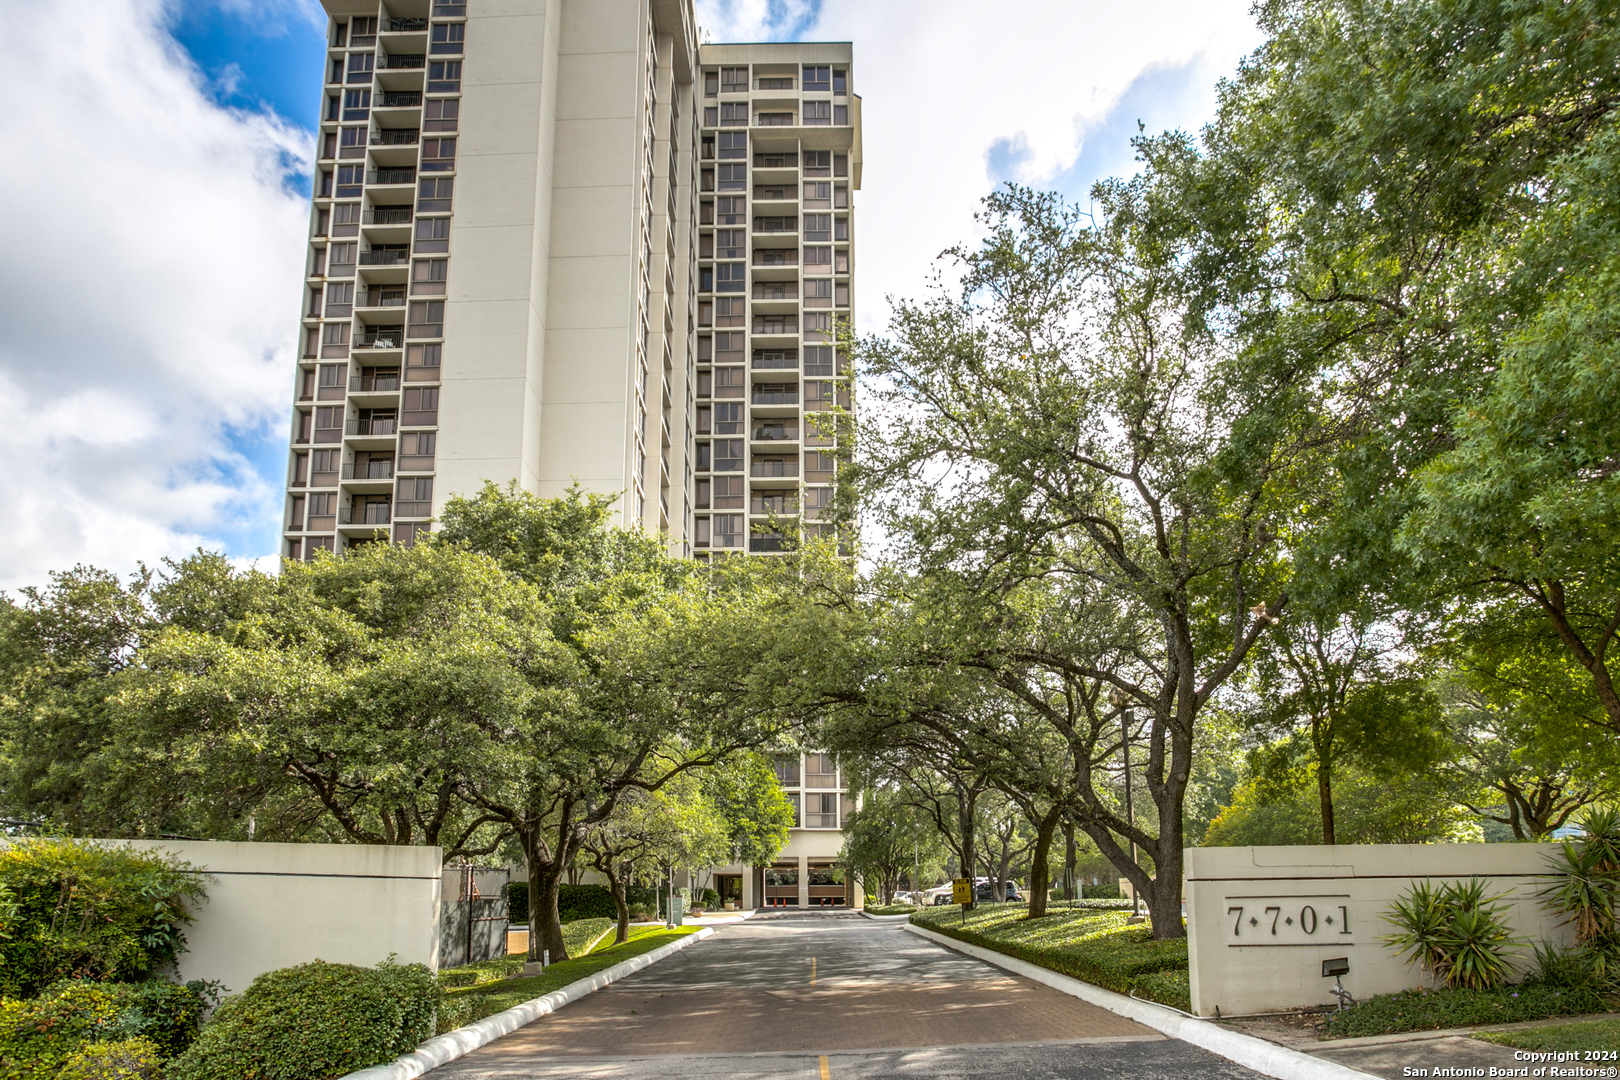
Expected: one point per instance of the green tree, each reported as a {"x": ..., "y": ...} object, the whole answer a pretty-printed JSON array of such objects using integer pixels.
[
  {"x": 887, "y": 840},
  {"x": 1063, "y": 417},
  {"x": 1373, "y": 809},
  {"x": 674, "y": 671}
]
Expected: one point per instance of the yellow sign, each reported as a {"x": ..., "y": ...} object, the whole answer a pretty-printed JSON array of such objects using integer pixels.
[{"x": 961, "y": 891}]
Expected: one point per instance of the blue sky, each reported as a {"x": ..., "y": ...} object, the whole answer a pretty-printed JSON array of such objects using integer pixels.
[{"x": 155, "y": 420}]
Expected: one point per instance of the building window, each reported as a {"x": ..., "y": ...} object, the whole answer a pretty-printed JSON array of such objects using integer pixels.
[
  {"x": 731, "y": 277},
  {"x": 775, "y": 359},
  {"x": 441, "y": 115},
  {"x": 700, "y": 537},
  {"x": 448, "y": 38},
  {"x": 818, "y": 360},
  {"x": 728, "y": 348},
  {"x": 818, "y": 196},
  {"x": 787, "y": 769},
  {"x": 706, "y": 148},
  {"x": 711, "y": 84},
  {"x": 730, "y": 244},
  {"x": 426, "y": 319},
  {"x": 706, "y": 279},
  {"x": 728, "y": 419},
  {"x": 817, "y": 292},
  {"x": 734, "y": 114},
  {"x": 733, "y": 80},
  {"x": 356, "y": 104},
  {"x": 728, "y": 530},
  {"x": 776, "y": 324},
  {"x": 706, "y": 180},
  {"x": 817, "y": 113},
  {"x": 734, "y": 177},
  {"x": 341, "y": 261},
  {"x": 428, "y": 276},
  {"x": 414, "y": 497},
  {"x": 818, "y": 163},
  {"x": 422, "y": 362},
  {"x": 339, "y": 299},
  {"x": 817, "y": 326},
  {"x": 818, "y": 260},
  {"x": 730, "y": 382},
  {"x": 420, "y": 407},
  {"x": 733, "y": 144},
  {"x": 438, "y": 155},
  {"x": 432, "y": 235},
  {"x": 840, "y": 164},
  {"x": 821, "y": 812},
  {"x": 433, "y": 196},
  {"x": 840, "y": 116},
  {"x": 711, "y": 116},
  {"x": 444, "y": 77},
  {"x": 728, "y": 455},
  {"x": 817, "y": 78},
  {"x": 775, "y": 119},
  {"x": 706, "y": 212},
  {"x": 733, "y": 210},
  {"x": 820, "y": 771},
  {"x": 775, "y": 82},
  {"x": 818, "y": 227}
]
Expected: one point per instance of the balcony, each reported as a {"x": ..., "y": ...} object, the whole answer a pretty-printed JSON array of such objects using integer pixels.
[
  {"x": 774, "y": 504},
  {"x": 776, "y": 257},
  {"x": 381, "y": 337},
  {"x": 771, "y": 465},
  {"x": 391, "y": 176},
  {"x": 774, "y": 395},
  {"x": 772, "y": 542},
  {"x": 375, "y": 426},
  {"x": 777, "y": 431},
  {"x": 369, "y": 514},
  {"x": 388, "y": 215},
  {"x": 371, "y": 470},
  {"x": 396, "y": 137},
  {"x": 383, "y": 297},
  {"x": 402, "y": 62},
  {"x": 384, "y": 257},
  {"x": 399, "y": 99},
  {"x": 374, "y": 384},
  {"x": 407, "y": 26}
]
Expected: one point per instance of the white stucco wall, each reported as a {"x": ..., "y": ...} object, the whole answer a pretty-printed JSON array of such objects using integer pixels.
[
  {"x": 1314, "y": 903},
  {"x": 275, "y": 905}
]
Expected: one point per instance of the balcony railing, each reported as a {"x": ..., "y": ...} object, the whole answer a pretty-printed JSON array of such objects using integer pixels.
[
  {"x": 776, "y": 432},
  {"x": 388, "y": 215},
  {"x": 776, "y": 397},
  {"x": 374, "y": 384},
  {"x": 776, "y": 256},
  {"x": 396, "y": 137},
  {"x": 369, "y": 514},
  {"x": 373, "y": 470},
  {"x": 391, "y": 176},
  {"x": 770, "y": 542},
  {"x": 381, "y": 338},
  {"x": 771, "y": 468},
  {"x": 384, "y": 258},
  {"x": 399, "y": 99},
  {"x": 402, "y": 61},
  {"x": 406, "y": 26},
  {"x": 375, "y": 425}
]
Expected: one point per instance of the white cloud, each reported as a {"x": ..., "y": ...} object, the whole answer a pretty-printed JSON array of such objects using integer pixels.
[
  {"x": 944, "y": 82},
  {"x": 150, "y": 294}
]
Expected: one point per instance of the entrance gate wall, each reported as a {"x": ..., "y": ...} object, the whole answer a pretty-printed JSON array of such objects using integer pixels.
[{"x": 1261, "y": 920}]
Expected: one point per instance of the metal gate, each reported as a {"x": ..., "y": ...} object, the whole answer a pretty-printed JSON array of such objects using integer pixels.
[{"x": 472, "y": 914}]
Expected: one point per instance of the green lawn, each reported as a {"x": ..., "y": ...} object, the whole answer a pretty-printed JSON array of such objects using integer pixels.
[
  {"x": 466, "y": 1004},
  {"x": 1577, "y": 1035},
  {"x": 580, "y": 936},
  {"x": 1431, "y": 1010},
  {"x": 1091, "y": 944}
]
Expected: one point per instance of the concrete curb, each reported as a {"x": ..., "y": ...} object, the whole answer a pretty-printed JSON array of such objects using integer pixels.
[
  {"x": 885, "y": 918},
  {"x": 443, "y": 1049},
  {"x": 1246, "y": 1050}
]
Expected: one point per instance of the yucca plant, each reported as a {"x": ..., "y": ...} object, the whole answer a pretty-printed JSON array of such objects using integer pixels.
[
  {"x": 1588, "y": 879},
  {"x": 1455, "y": 932}
]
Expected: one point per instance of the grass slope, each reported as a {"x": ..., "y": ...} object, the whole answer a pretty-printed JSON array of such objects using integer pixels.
[
  {"x": 1573, "y": 1037},
  {"x": 466, "y": 1004},
  {"x": 1091, "y": 944}
]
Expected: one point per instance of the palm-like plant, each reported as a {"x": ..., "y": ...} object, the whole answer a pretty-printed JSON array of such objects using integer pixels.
[
  {"x": 1455, "y": 932},
  {"x": 1588, "y": 880}
]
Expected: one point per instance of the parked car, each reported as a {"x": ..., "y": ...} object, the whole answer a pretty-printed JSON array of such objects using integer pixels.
[{"x": 985, "y": 893}]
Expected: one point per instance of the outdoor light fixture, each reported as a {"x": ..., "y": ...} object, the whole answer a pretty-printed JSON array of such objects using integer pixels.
[{"x": 1333, "y": 969}]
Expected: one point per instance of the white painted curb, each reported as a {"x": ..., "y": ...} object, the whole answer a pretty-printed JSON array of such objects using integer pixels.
[
  {"x": 1247, "y": 1050},
  {"x": 443, "y": 1049},
  {"x": 885, "y": 918}
]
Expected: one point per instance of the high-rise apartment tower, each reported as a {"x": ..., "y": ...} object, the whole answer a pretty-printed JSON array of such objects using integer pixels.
[{"x": 559, "y": 241}]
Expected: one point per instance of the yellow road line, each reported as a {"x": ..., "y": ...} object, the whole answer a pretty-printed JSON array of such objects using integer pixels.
[
  {"x": 824, "y": 1067},
  {"x": 812, "y": 983}
]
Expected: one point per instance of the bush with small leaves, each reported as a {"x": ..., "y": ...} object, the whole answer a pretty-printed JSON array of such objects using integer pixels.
[{"x": 126, "y": 1059}]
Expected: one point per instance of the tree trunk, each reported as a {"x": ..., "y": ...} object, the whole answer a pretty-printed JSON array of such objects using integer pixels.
[
  {"x": 621, "y": 907},
  {"x": 1324, "y": 793},
  {"x": 545, "y": 885},
  {"x": 965, "y": 806},
  {"x": 1070, "y": 887},
  {"x": 1039, "y": 875}
]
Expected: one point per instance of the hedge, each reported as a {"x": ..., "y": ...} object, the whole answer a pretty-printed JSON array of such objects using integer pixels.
[
  {"x": 1430, "y": 1010},
  {"x": 86, "y": 911},
  {"x": 314, "y": 1021},
  {"x": 126, "y": 1059},
  {"x": 576, "y": 902},
  {"x": 38, "y": 1037}
]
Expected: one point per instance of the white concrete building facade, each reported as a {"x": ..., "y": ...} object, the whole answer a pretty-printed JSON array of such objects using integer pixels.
[{"x": 535, "y": 255}]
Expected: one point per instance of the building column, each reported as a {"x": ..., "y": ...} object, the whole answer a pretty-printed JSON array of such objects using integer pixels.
[
  {"x": 804, "y": 881},
  {"x": 749, "y": 900}
]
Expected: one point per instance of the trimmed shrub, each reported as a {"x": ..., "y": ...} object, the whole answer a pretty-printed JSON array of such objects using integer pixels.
[
  {"x": 39, "y": 1036},
  {"x": 1100, "y": 892},
  {"x": 126, "y": 1059},
  {"x": 314, "y": 1021},
  {"x": 84, "y": 911},
  {"x": 579, "y": 901}
]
